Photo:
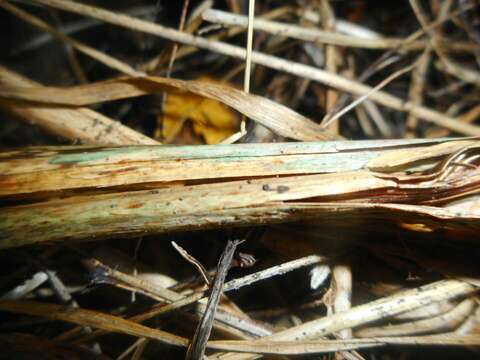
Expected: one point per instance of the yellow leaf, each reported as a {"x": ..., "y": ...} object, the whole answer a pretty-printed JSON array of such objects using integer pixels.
[{"x": 211, "y": 119}]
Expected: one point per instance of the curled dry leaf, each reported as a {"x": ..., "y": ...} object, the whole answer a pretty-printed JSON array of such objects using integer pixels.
[
  {"x": 394, "y": 160},
  {"x": 276, "y": 117}
]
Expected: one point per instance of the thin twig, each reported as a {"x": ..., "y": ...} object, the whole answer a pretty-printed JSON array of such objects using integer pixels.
[
  {"x": 101, "y": 57},
  {"x": 375, "y": 310},
  {"x": 331, "y": 58},
  {"x": 175, "y": 46},
  {"x": 104, "y": 274},
  {"x": 201, "y": 269},
  {"x": 231, "y": 285},
  {"x": 316, "y": 35},
  {"x": 196, "y": 349},
  {"x": 294, "y": 68},
  {"x": 62, "y": 293},
  {"x": 329, "y": 118},
  {"x": 248, "y": 59},
  {"x": 247, "y": 73},
  {"x": 450, "y": 66},
  {"x": 131, "y": 348},
  {"x": 416, "y": 87}
]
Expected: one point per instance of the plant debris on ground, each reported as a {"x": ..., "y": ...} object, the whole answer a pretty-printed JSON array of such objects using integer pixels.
[{"x": 239, "y": 179}]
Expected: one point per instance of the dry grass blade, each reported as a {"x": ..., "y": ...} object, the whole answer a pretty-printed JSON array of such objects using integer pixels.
[
  {"x": 113, "y": 323},
  {"x": 273, "y": 271},
  {"x": 91, "y": 318},
  {"x": 85, "y": 49},
  {"x": 329, "y": 118},
  {"x": 324, "y": 346},
  {"x": 362, "y": 314},
  {"x": 382, "y": 308},
  {"x": 133, "y": 348},
  {"x": 109, "y": 167},
  {"x": 443, "y": 322},
  {"x": 80, "y": 124},
  {"x": 274, "y": 116},
  {"x": 298, "y": 69},
  {"x": 72, "y": 221},
  {"x": 466, "y": 74},
  {"x": 104, "y": 274},
  {"x": 384, "y": 233},
  {"x": 244, "y": 200},
  {"x": 293, "y": 347},
  {"x": 316, "y": 35},
  {"x": 234, "y": 284},
  {"x": 392, "y": 161}
]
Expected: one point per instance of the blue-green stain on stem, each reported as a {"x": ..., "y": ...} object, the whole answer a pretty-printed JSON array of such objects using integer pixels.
[{"x": 91, "y": 155}]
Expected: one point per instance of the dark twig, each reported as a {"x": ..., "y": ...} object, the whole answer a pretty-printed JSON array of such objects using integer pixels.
[
  {"x": 201, "y": 269},
  {"x": 196, "y": 349}
]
